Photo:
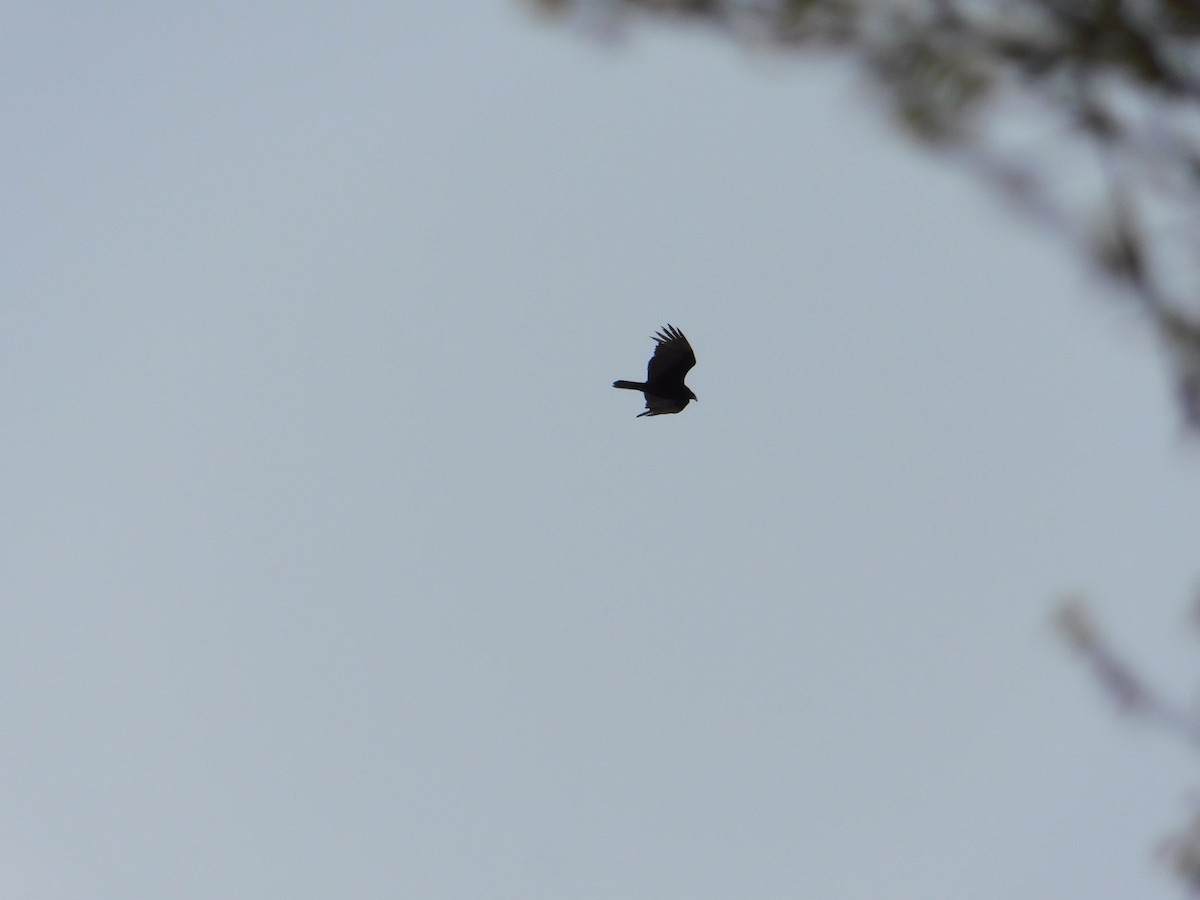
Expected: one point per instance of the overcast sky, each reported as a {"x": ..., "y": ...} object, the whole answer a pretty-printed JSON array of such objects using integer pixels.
[{"x": 332, "y": 565}]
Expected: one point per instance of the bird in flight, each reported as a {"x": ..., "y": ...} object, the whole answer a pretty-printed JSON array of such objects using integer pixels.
[{"x": 664, "y": 388}]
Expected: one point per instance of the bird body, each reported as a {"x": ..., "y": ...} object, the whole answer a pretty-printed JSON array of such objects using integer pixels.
[{"x": 664, "y": 388}]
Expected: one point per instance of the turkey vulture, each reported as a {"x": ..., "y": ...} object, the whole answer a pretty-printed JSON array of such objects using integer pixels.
[{"x": 664, "y": 388}]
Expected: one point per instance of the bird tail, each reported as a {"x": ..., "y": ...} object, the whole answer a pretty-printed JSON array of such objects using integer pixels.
[{"x": 629, "y": 385}]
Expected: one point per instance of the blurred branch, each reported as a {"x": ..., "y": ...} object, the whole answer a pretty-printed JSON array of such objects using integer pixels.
[
  {"x": 1181, "y": 851},
  {"x": 1117, "y": 678},
  {"x": 1131, "y": 696},
  {"x": 1084, "y": 113}
]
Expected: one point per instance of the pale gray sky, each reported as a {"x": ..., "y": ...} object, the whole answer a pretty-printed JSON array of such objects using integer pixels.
[{"x": 334, "y": 567}]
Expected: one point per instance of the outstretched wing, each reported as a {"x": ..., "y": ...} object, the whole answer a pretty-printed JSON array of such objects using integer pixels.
[
  {"x": 657, "y": 406},
  {"x": 672, "y": 357}
]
